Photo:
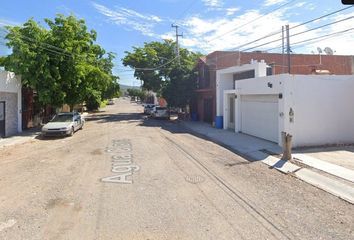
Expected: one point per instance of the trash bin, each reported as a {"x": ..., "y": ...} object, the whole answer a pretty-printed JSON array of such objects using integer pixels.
[{"x": 219, "y": 122}]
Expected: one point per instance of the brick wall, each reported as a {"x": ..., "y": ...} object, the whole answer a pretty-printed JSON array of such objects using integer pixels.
[
  {"x": 11, "y": 120},
  {"x": 301, "y": 63}
]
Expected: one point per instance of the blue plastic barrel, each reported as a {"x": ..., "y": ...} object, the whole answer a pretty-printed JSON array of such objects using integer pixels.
[{"x": 219, "y": 122}]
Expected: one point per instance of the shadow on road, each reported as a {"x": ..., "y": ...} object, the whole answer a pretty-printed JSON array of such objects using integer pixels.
[
  {"x": 118, "y": 117},
  {"x": 172, "y": 126}
]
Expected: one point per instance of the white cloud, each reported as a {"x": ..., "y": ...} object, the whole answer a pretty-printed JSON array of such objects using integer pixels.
[
  {"x": 213, "y": 3},
  {"x": 6, "y": 22},
  {"x": 300, "y": 4},
  {"x": 339, "y": 42},
  {"x": 231, "y": 11},
  {"x": 272, "y": 2},
  {"x": 229, "y": 32},
  {"x": 226, "y": 33},
  {"x": 130, "y": 19}
]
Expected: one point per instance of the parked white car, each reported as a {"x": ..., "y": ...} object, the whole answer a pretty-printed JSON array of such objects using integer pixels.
[
  {"x": 63, "y": 124},
  {"x": 160, "y": 112},
  {"x": 148, "y": 108}
]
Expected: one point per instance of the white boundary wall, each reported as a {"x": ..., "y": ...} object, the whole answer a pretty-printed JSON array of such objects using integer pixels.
[
  {"x": 9, "y": 83},
  {"x": 323, "y": 106}
]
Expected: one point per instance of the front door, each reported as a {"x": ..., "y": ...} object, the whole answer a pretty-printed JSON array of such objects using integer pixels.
[
  {"x": 232, "y": 112},
  {"x": 208, "y": 110},
  {"x": 2, "y": 119}
]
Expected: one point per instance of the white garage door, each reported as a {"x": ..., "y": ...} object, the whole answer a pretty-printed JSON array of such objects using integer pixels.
[{"x": 259, "y": 116}]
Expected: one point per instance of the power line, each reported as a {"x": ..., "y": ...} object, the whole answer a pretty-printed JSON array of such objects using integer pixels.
[
  {"x": 189, "y": 7},
  {"x": 261, "y": 38},
  {"x": 301, "y": 24},
  {"x": 299, "y": 33},
  {"x": 325, "y": 25},
  {"x": 152, "y": 68},
  {"x": 318, "y": 18},
  {"x": 243, "y": 25},
  {"x": 272, "y": 34},
  {"x": 326, "y": 36},
  {"x": 63, "y": 52}
]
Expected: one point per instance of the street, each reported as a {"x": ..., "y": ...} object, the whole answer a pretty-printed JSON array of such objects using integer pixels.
[{"x": 125, "y": 176}]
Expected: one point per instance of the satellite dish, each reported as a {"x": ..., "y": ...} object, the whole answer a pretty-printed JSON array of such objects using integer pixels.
[
  {"x": 319, "y": 50},
  {"x": 328, "y": 51}
]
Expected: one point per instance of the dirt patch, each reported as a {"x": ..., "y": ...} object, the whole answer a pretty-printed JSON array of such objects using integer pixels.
[
  {"x": 96, "y": 152},
  {"x": 62, "y": 203}
]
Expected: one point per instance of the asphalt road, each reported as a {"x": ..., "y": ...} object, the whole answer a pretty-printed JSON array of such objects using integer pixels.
[{"x": 128, "y": 177}]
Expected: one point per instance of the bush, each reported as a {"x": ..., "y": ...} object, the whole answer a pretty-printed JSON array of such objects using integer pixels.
[{"x": 93, "y": 103}]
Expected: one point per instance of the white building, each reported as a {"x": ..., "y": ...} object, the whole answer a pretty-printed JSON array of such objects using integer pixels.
[
  {"x": 314, "y": 109},
  {"x": 10, "y": 104}
]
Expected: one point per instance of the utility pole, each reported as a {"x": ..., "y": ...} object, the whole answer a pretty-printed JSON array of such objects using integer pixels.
[
  {"x": 288, "y": 47},
  {"x": 177, "y": 35},
  {"x": 282, "y": 49}
]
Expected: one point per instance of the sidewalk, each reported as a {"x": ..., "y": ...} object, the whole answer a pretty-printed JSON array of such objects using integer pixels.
[
  {"x": 328, "y": 168},
  {"x": 23, "y": 137}
]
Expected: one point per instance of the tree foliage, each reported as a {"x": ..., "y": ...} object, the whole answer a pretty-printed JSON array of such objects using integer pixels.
[
  {"x": 161, "y": 71},
  {"x": 133, "y": 92},
  {"x": 61, "y": 63},
  {"x": 145, "y": 59}
]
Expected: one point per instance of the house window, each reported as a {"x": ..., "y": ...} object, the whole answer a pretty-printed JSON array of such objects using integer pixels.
[
  {"x": 244, "y": 75},
  {"x": 269, "y": 71},
  {"x": 204, "y": 77}
]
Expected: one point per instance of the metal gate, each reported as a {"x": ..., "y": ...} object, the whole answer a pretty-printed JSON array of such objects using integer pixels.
[{"x": 2, "y": 119}]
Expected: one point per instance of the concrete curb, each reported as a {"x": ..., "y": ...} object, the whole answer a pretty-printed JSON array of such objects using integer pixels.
[
  {"x": 330, "y": 168},
  {"x": 281, "y": 165},
  {"x": 276, "y": 163},
  {"x": 329, "y": 185}
]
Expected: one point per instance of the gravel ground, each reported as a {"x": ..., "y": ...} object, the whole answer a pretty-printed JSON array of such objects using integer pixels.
[{"x": 179, "y": 186}]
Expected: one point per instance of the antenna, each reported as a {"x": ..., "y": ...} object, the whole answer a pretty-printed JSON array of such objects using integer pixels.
[{"x": 328, "y": 51}]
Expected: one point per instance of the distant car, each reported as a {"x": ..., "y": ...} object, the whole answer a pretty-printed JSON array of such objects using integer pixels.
[
  {"x": 110, "y": 102},
  {"x": 160, "y": 112},
  {"x": 148, "y": 108},
  {"x": 63, "y": 124}
]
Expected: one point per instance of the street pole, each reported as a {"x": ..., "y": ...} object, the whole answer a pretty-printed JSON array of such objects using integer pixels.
[
  {"x": 288, "y": 47},
  {"x": 282, "y": 49},
  {"x": 177, "y": 46}
]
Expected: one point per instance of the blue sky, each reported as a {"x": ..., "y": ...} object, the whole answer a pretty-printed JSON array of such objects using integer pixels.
[{"x": 207, "y": 25}]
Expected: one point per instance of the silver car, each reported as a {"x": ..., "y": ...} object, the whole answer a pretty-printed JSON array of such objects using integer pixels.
[
  {"x": 63, "y": 124},
  {"x": 160, "y": 112}
]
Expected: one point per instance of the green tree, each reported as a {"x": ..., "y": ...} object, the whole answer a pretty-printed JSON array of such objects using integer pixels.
[
  {"x": 145, "y": 61},
  {"x": 133, "y": 92},
  {"x": 61, "y": 63},
  {"x": 159, "y": 69},
  {"x": 112, "y": 91},
  {"x": 179, "y": 90}
]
